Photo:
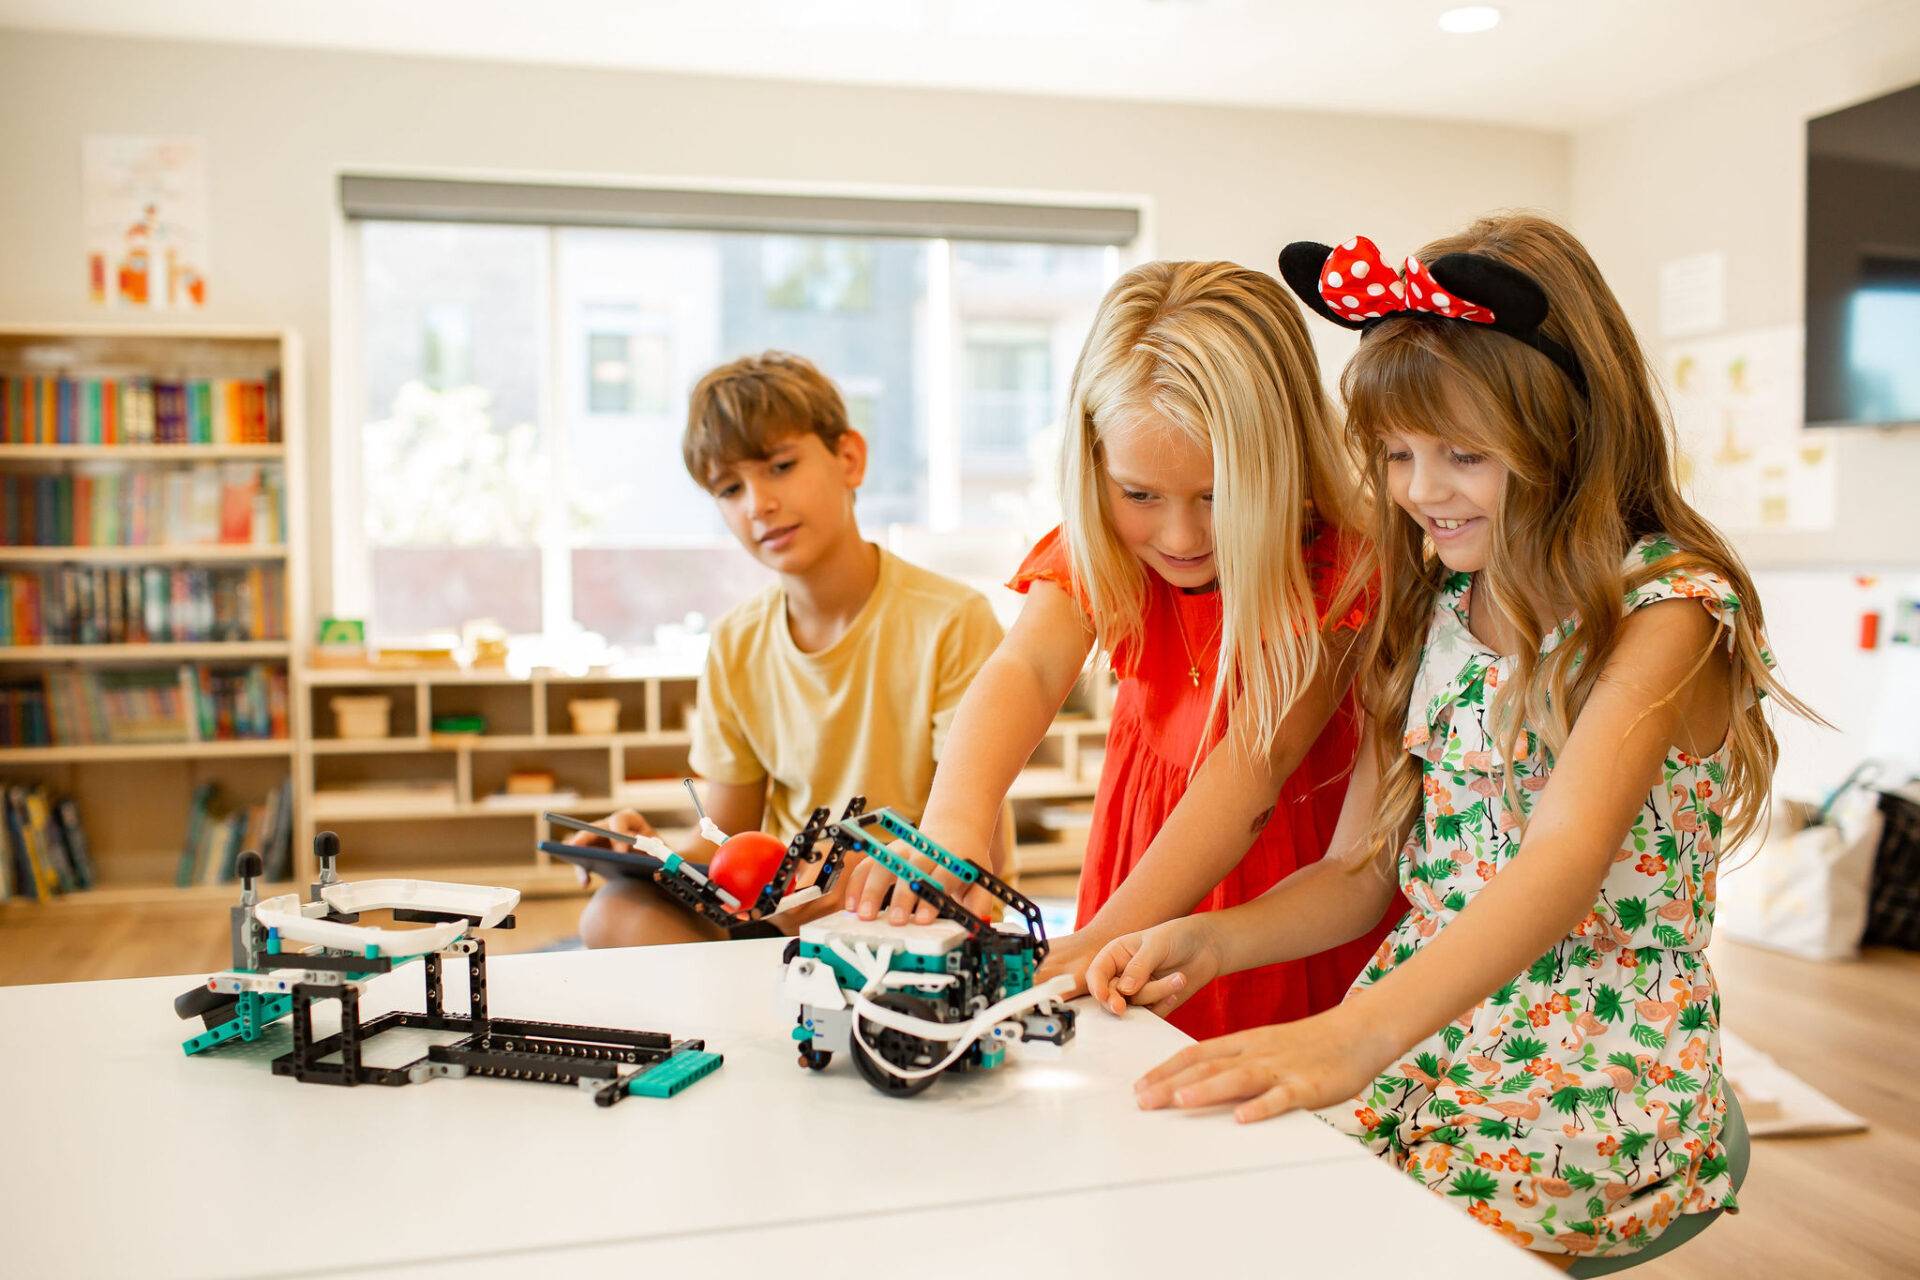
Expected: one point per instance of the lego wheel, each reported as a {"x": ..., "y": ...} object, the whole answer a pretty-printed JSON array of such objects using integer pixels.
[
  {"x": 814, "y": 1059},
  {"x": 211, "y": 1007},
  {"x": 899, "y": 1049}
]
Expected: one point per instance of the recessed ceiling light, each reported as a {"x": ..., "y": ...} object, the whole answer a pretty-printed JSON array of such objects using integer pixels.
[{"x": 1470, "y": 18}]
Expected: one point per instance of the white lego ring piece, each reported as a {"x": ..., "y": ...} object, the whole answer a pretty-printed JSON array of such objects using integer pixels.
[
  {"x": 963, "y": 1034},
  {"x": 490, "y": 905},
  {"x": 297, "y": 922}
]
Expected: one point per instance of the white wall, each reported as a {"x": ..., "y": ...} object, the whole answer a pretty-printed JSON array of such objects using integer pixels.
[
  {"x": 1723, "y": 168},
  {"x": 282, "y": 124}
]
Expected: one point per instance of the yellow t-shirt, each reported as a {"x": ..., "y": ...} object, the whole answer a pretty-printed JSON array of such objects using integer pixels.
[{"x": 865, "y": 716}]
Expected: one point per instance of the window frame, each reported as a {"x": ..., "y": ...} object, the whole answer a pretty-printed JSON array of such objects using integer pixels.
[{"x": 347, "y": 586}]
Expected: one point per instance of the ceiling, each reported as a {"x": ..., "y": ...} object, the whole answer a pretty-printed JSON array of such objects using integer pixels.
[{"x": 1556, "y": 64}]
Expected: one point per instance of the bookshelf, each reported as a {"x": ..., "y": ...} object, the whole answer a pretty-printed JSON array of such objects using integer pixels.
[
  {"x": 152, "y": 544},
  {"x": 421, "y": 803}
]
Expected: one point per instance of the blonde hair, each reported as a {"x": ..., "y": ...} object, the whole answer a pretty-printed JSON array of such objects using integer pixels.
[
  {"x": 746, "y": 408},
  {"x": 1220, "y": 354},
  {"x": 1588, "y": 478}
]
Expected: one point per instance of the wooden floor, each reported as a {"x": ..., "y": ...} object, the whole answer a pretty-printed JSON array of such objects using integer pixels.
[{"x": 1812, "y": 1207}]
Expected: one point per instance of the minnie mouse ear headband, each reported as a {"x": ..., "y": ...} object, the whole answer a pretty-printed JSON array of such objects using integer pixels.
[{"x": 1354, "y": 287}]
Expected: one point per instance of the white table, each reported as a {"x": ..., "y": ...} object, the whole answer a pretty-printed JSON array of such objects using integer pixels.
[{"x": 120, "y": 1155}]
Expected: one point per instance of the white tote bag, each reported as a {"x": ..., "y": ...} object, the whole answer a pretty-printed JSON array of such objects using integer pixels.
[{"x": 1805, "y": 889}]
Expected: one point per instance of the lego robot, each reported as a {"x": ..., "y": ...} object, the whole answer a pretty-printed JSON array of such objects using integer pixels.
[
  {"x": 908, "y": 1002},
  {"x": 269, "y": 980}
]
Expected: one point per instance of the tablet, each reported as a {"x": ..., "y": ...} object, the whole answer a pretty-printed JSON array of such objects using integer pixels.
[{"x": 633, "y": 866}]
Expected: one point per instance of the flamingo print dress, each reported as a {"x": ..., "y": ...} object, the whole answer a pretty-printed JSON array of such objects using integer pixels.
[{"x": 1578, "y": 1109}]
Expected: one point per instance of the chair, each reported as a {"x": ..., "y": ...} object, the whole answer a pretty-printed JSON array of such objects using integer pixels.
[{"x": 1739, "y": 1147}]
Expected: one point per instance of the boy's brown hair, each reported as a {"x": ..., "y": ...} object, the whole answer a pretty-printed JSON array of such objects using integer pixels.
[{"x": 744, "y": 409}]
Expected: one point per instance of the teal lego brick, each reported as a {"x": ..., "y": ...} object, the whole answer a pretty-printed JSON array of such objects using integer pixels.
[
  {"x": 272, "y": 1008},
  {"x": 664, "y": 1079}
]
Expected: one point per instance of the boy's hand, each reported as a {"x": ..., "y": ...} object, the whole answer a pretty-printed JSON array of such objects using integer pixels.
[
  {"x": 1069, "y": 956},
  {"x": 626, "y": 820},
  {"x": 1160, "y": 967},
  {"x": 1315, "y": 1062}
]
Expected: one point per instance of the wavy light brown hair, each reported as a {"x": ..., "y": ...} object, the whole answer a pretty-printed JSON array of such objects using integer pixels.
[
  {"x": 1587, "y": 479},
  {"x": 1221, "y": 354},
  {"x": 747, "y": 408}
]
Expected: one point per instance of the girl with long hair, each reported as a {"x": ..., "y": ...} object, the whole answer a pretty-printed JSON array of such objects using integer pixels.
[{"x": 1209, "y": 550}]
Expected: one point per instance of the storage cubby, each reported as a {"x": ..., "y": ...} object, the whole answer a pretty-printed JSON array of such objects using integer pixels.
[
  {"x": 581, "y": 771},
  {"x": 507, "y": 708},
  {"x": 676, "y": 706},
  {"x": 631, "y": 700},
  {"x": 403, "y": 712}
]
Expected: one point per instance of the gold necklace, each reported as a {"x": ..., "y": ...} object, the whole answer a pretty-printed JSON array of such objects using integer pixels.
[{"x": 1180, "y": 624}]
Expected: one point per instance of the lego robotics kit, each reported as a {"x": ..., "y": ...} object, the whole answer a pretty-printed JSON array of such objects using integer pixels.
[{"x": 905, "y": 1002}]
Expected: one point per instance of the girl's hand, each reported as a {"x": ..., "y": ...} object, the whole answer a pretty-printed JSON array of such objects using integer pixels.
[
  {"x": 868, "y": 882},
  {"x": 1269, "y": 1071},
  {"x": 1159, "y": 967}
]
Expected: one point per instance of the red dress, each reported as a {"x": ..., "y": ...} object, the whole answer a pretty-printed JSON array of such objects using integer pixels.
[{"x": 1158, "y": 717}]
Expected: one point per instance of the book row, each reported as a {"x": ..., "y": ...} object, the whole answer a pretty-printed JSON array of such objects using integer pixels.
[
  {"x": 45, "y": 851},
  {"x": 142, "y": 604},
  {"x": 44, "y": 846},
  {"x": 218, "y": 834},
  {"x": 235, "y": 504},
  {"x": 193, "y": 702},
  {"x": 139, "y": 410}
]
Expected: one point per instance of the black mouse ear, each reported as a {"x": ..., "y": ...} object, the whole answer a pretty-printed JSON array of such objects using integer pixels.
[
  {"x": 1300, "y": 266},
  {"x": 1518, "y": 303}
]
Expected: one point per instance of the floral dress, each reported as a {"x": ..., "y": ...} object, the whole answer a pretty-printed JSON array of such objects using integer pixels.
[{"x": 1577, "y": 1109}]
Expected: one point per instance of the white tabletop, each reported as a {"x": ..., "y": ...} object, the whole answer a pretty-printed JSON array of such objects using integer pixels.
[{"x": 121, "y": 1154}]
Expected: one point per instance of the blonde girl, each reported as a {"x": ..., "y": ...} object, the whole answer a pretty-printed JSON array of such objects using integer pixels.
[
  {"x": 1208, "y": 549},
  {"x": 1563, "y": 689}
]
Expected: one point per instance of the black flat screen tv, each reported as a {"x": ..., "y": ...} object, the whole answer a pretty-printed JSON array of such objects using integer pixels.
[{"x": 1863, "y": 264}]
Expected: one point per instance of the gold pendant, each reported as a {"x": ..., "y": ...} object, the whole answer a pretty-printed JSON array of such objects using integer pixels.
[{"x": 1193, "y": 674}]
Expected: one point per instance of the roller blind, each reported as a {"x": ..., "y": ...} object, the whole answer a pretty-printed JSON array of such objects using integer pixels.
[{"x": 446, "y": 200}]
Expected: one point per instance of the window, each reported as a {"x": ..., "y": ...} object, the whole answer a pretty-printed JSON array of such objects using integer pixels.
[
  {"x": 523, "y": 393},
  {"x": 1883, "y": 323},
  {"x": 811, "y": 273}
]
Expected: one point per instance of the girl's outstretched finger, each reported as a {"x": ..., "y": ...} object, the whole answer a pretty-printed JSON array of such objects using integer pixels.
[
  {"x": 1274, "y": 1102},
  {"x": 1166, "y": 1093},
  {"x": 1192, "y": 1055},
  {"x": 1168, "y": 1005},
  {"x": 1229, "y": 1084}
]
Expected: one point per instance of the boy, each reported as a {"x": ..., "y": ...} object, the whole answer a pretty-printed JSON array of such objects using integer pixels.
[{"x": 839, "y": 679}]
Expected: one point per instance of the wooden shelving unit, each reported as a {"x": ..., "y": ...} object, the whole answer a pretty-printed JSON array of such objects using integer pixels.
[
  {"x": 133, "y": 797},
  {"x": 366, "y": 788}
]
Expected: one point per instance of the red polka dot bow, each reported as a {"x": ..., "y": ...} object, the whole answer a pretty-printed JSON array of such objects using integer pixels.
[
  {"x": 1357, "y": 284},
  {"x": 1351, "y": 285}
]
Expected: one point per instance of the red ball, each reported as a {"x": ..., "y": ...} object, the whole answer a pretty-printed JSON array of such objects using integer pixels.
[{"x": 745, "y": 863}]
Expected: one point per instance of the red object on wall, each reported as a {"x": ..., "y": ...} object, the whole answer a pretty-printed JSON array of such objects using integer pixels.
[{"x": 1869, "y": 630}]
